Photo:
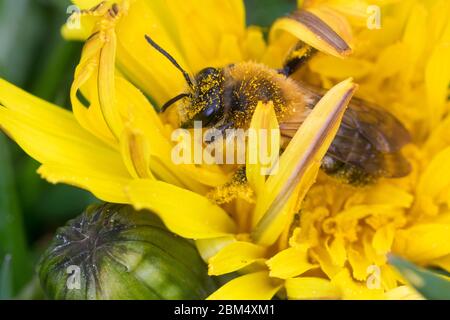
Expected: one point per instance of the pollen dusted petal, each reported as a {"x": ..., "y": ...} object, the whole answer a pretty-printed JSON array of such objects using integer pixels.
[
  {"x": 234, "y": 257},
  {"x": 184, "y": 212},
  {"x": 252, "y": 286},
  {"x": 299, "y": 164}
]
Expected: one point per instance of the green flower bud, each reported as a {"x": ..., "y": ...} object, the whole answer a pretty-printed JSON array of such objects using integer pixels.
[{"x": 113, "y": 252}]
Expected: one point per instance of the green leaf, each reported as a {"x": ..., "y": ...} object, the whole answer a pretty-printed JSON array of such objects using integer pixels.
[
  {"x": 22, "y": 23},
  {"x": 54, "y": 75},
  {"x": 6, "y": 290},
  {"x": 264, "y": 12},
  {"x": 31, "y": 291},
  {"x": 431, "y": 285},
  {"x": 12, "y": 235}
]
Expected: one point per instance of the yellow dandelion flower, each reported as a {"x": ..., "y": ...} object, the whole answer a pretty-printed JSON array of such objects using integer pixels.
[{"x": 298, "y": 232}]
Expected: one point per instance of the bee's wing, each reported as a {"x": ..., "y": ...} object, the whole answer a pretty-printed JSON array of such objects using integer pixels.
[
  {"x": 368, "y": 137},
  {"x": 351, "y": 147},
  {"x": 382, "y": 129}
]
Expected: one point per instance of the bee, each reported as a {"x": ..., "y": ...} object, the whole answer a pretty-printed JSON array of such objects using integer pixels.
[{"x": 367, "y": 145}]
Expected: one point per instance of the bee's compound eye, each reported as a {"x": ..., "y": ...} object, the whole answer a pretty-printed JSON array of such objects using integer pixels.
[{"x": 211, "y": 111}]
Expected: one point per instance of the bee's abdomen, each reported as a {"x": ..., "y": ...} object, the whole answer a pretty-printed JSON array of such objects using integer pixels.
[{"x": 367, "y": 146}]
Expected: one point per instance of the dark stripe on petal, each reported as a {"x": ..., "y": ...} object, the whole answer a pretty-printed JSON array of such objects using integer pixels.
[{"x": 321, "y": 29}]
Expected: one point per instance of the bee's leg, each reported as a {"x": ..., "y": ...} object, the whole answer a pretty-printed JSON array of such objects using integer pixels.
[
  {"x": 297, "y": 58},
  {"x": 222, "y": 129}
]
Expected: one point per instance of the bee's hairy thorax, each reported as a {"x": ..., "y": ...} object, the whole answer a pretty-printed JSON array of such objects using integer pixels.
[{"x": 248, "y": 83}]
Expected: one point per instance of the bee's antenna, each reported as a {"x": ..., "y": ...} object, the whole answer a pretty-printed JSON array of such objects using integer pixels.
[
  {"x": 173, "y": 100},
  {"x": 171, "y": 59}
]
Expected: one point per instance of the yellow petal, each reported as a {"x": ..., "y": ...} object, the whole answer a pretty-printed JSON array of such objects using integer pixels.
[
  {"x": 78, "y": 27},
  {"x": 51, "y": 135},
  {"x": 370, "y": 252},
  {"x": 235, "y": 256},
  {"x": 184, "y": 212},
  {"x": 253, "y": 286},
  {"x": 254, "y": 44},
  {"x": 210, "y": 247},
  {"x": 290, "y": 263},
  {"x": 443, "y": 262},
  {"x": 300, "y": 162},
  {"x": 436, "y": 177},
  {"x": 106, "y": 83},
  {"x": 391, "y": 61},
  {"x": 385, "y": 193},
  {"x": 353, "y": 290},
  {"x": 95, "y": 75},
  {"x": 312, "y": 28},
  {"x": 86, "y": 4},
  {"x": 140, "y": 62},
  {"x": 136, "y": 153},
  {"x": 205, "y": 27},
  {"x": 139, "y": 116},
  {"x": 335, "y": 68},
  {"x": 311, "y": 288},
  {"x": 355, "y": 10},
  {"x": 383, "y": 238},
  {"x": 437, "y": 79},
  {"x": 85, "y": 84},
  {"x": 390, "y": 278},
  {"x": 338, "y": 252},
  {"x": 264, "y": 119},
  {"x": 359, "y": 263},
  {"x": 85, "y": 14},
  {"x": 403, "y": 293},
  {"x": 423, "y": 242},
  {"x": 101, "y": 183},
  {"x": 326, "y": 264}
]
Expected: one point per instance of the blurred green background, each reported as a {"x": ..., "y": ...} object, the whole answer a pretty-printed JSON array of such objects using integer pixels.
[{"x": 35, "y": 57}]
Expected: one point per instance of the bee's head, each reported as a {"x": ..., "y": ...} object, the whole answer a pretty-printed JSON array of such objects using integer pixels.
[
  {"x": 206, "y": 100},
  {"x": 205, "y": 96}
]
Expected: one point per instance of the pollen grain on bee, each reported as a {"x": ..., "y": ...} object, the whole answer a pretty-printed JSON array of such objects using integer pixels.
[{"x": 211, "y": 146}]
